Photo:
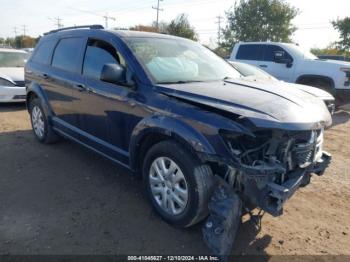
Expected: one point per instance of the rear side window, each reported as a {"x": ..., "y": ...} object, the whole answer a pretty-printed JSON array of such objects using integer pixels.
[
  {"x": 270, "y": 52},
  {"x": 43, "y": 52},
  {"x": 250, "y": 52},
  {"x": 98, "y": 53},
  {"x": 67, "y": 55}
]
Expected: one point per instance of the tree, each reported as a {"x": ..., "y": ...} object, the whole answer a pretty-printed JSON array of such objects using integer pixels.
[
  {"x": 343, "y": 26},
  {"x": 259, "y": 20},
  {"x": 145, "y": 28},
  {"x": 180, "y": 26}
]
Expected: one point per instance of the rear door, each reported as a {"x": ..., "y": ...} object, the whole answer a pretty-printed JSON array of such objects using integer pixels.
[
  {"x": 64, "y": 82},
  {"x": 250, "y": 53}
]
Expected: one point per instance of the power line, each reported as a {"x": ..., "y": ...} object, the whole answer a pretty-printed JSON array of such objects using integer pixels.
[
  {"x": 105, "y": 17},
  {"x": 158, "y": 9}
]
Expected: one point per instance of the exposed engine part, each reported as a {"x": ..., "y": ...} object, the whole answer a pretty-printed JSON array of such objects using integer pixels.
[
  {"x": 272, "y": 165},
  {"x": 225, "y": 209}
]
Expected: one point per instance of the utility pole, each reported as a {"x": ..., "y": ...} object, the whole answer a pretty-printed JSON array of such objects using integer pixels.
[
  {"x": 158, "y": 9},
  {"x": 219, "y": 28},
  {"x": 24, "y": 28},
  {"x": 106, "y": 17},
  {"x": 15, "y": 31},
  {"x": 57, "y": 21}
]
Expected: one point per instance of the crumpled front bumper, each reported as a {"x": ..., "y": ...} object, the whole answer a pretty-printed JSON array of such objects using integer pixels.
[{"x": 273, "y": 196}]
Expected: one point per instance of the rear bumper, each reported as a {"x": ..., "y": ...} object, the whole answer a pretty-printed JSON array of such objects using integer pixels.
[
  {"x": 272, "y": 197},
  {"x": 12, "y": 94}
]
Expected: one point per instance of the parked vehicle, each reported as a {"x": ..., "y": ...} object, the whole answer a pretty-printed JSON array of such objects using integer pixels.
[
  {"x": 12, "y": 88},
  {"x": 204, "y": 140},
  {"x": 253, "y": 73},
  {"x": 290, "y": 63}
]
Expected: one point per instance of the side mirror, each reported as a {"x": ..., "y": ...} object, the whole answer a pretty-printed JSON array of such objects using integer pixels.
[
  {"x": 280, "y": 58},
  {"x": 113, "y": 73}
]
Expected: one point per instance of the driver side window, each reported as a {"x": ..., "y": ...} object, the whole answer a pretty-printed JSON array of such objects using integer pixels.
[
  {"x": 270, "y": 53},
  {"x": 98, "y": 53}
]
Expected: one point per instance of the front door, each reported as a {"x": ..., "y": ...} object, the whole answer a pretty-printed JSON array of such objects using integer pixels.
[
  {"x": 106, "y": 110},
  {"x": 280, "y": 71}
]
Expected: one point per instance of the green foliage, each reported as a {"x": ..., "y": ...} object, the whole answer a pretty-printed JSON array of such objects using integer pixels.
[
  {"x": 19, "y": 41},
  {"x": 223, "y": 52},
  {"x": 180, "y": 26},
  {"x": 259, "y": 20},
  {"x": 329, "y": 51},
  {"x": 343, "y": 26}
]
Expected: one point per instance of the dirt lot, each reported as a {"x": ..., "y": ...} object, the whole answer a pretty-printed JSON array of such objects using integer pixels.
[{"x": 63, "y": 199}]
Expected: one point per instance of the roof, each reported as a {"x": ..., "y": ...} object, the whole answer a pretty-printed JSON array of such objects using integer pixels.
[
  {"x": 118, "y": 33},
  {"x": 131, "y": 33},
  {"x": 10, "y": 50}
]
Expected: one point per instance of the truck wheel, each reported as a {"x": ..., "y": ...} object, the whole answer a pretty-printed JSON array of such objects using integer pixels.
[
  {"x": 40, "y": 124},
  {"x": 177, "y": 184}
]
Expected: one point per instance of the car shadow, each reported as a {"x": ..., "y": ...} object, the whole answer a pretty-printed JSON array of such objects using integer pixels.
[
  {"x": 340, "y": 117},
  {"x": 11, "y": 107}
]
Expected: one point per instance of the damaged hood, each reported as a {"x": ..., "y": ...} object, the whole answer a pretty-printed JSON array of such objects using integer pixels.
[
  {"x": 317, "y": 92},
  {"x": 266, "y": 105}
]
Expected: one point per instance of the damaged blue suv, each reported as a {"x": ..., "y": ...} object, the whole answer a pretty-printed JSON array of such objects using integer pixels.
[{"x": 207, "y": 142}]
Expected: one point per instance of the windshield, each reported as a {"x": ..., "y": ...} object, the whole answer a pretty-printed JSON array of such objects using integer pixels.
[
  {"x": 301, "y": 52},
  {"x": 176, "y": 60},
  {"x": 13, "y": 59}
]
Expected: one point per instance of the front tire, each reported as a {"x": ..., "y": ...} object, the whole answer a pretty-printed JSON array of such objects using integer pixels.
[
  {"x": 178, "y": 185},
  {"x": 40, "y": 124}
]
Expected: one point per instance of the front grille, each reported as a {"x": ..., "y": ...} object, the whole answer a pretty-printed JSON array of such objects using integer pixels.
[
  {"x": 20, "y": 83},
  {"x": 307, "y": 152}
]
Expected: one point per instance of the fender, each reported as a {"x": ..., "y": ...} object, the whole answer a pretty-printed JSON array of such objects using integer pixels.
[
  {"x": 38, "y": 91},
  {"x": 171, "y": 127}
]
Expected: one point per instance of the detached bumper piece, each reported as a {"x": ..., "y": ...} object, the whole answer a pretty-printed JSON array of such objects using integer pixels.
[{"x": 220, "y": 230}]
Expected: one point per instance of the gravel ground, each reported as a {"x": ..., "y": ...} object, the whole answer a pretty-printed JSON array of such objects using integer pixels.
[{"x": 63, "y": 199}]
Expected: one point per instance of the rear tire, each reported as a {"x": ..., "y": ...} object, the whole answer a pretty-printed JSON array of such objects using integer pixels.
[
  {"x": 160, "y": 184},
  {"x": 40, "y": 124}
]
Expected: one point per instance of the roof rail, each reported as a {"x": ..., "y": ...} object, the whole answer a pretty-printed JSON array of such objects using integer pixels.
[{"x": 75, "y": 27}]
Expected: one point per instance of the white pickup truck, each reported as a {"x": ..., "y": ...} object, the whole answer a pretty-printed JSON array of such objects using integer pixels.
[{"x": 290, "y": 63}]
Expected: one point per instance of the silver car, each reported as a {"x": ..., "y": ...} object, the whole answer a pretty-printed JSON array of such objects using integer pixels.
[{"x": 12, "y": 86}]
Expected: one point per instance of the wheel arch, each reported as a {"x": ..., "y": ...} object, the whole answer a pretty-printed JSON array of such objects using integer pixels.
[
  {"x": 307, "y": 77},
  {"x": 35, "y": 91},
  {"x": 159, "y": 128}
]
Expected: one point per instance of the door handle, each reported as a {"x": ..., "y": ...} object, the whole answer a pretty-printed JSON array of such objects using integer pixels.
[
  {"x": 45, "y": 76},
  {"x": 81, "y": 87},
  {"x": 263, "y": 66}
]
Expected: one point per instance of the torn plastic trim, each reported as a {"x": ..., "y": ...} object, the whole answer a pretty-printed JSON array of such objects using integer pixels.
[{"x": 220, "y": 229}]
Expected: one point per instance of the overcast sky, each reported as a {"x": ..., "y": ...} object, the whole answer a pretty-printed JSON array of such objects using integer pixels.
[{"x": 313, "y": 21}]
